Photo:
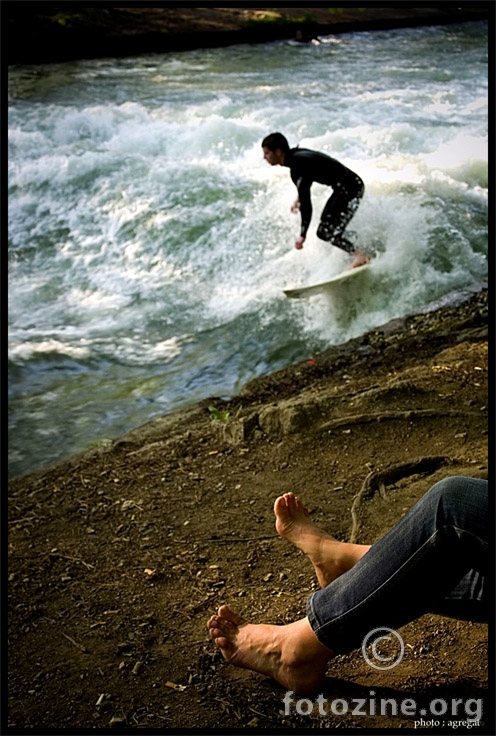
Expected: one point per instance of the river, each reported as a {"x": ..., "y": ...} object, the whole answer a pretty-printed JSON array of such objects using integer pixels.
[{"x": 149, "y": 242}]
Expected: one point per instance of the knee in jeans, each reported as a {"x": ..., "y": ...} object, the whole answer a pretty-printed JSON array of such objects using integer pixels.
[
  {"x": 452, "y": 483},
  {"x": 448, "y": 489},
  {"x": 442, "y": 487}
]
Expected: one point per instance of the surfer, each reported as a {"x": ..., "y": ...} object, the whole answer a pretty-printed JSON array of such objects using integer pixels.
[
  {"x": 306, "y": 167},
  {"x": 301, "y": 38},
  {"x": 433, "y": 561}
]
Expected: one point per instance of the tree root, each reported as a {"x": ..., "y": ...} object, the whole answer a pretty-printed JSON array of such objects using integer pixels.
[
  {"x": 377, "y": 481},
  {"x": 382, "y": 416}
]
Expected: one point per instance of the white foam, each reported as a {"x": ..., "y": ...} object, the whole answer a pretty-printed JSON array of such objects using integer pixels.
[
  {"x": 150, "y": 243},
  {"x": 29, "y": 350}
]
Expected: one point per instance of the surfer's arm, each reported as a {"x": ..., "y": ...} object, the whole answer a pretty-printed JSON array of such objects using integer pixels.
[{"x": 303, "y": 186}]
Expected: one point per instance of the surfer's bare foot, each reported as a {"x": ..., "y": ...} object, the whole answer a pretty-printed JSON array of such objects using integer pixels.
[
  {"x": 329, "y": 557},
  {"x": 360, "y": 259},
  {"x": 292, "y": 655}
]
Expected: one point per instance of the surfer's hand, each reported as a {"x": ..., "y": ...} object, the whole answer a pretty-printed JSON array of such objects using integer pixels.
[
  {"x": 295, "y": 207},
  {"x": 299, "y": 242}
]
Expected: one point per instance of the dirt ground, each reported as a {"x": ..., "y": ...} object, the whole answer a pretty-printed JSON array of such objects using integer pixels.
[{"x": 118, "y": 557}]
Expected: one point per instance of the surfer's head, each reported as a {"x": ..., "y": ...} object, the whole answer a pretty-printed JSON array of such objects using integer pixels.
[
  {"x": 275, "y": 147},
  {"x": 276, "y": 141}
]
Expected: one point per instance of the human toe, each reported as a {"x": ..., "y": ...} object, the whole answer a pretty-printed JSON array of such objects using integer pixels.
[
  {"x": 230, "y": 616},
  {"x": 281, "y": 506}
]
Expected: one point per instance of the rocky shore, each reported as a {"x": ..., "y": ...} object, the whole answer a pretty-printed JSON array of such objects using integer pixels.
[{"x": 118, "y": 556}]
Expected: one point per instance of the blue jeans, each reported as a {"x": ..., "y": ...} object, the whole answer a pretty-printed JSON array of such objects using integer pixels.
[{"x": 433, "y": 561}]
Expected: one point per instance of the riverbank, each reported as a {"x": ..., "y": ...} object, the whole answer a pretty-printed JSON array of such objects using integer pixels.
[
  {"x": 118, "y": 556},
  {"x": 37, "y": 33}
]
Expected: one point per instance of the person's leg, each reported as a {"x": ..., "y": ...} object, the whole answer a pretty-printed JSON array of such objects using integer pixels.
[
  {"x": 292, "y": 655},
  {"x": 329, "y": 557},
  {"x": 404, "y": 575},
  {"x": 337, "y": 213},
  {"x": 467, "y": 601},
  {"x": 411, "y": 570}
]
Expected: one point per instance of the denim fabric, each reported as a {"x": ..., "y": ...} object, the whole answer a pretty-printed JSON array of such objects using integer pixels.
[{"x": 433, "y": 560}]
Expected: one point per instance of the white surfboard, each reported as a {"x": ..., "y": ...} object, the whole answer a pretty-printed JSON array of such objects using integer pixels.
[{"x": 303, "y": 292}]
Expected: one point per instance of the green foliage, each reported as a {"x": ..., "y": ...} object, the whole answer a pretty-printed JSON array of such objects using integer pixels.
[
  {"x": 66, "y": 19},
  {"x": 341, "y": 10},
  {"x": 80, "y": 18},
  {"x": 216, "y": 415},
  {"x": 100, "y": 444},
  {"x": 272, "y": 19}
]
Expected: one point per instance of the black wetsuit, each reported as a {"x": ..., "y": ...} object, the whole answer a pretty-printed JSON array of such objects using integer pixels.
[{"x": 307, "y": 166}]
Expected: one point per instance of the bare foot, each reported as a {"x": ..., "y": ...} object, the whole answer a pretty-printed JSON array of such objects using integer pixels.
[
  {"x": 360, "y": 259},
  {"x": 329, "y": 557},
  {"x": 292, "y": 655}
]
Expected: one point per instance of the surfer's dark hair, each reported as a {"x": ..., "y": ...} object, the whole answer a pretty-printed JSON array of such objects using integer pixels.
[{"x": 276, "y": 141}]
